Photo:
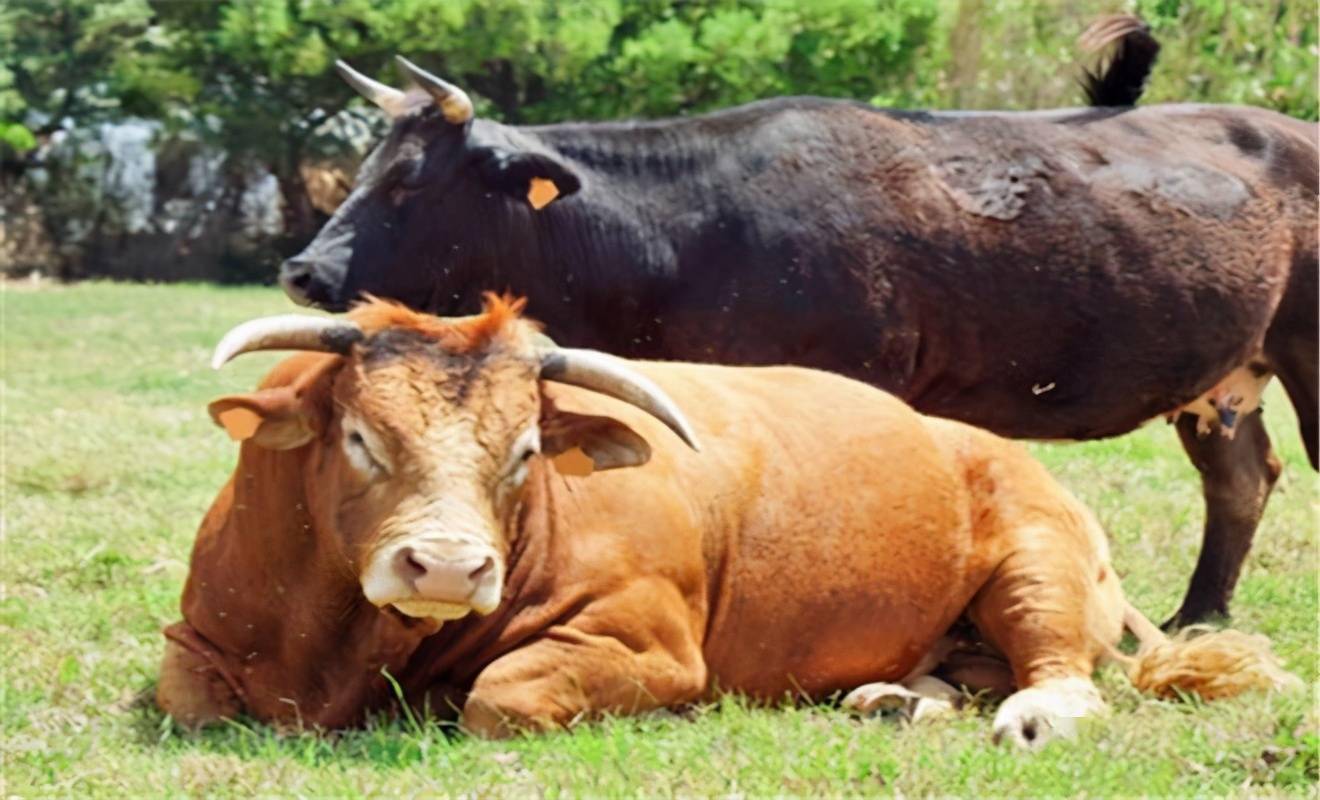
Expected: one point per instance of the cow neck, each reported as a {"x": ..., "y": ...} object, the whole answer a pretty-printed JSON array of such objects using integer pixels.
[
  {"x": 599, "y": 265},
  {"x": 286, "y": 613}
]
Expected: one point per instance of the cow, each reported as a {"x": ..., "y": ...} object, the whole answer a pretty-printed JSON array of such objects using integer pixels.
[
  {"x": 527, "y": 534},
  {"x": 1059, "y": 275}
]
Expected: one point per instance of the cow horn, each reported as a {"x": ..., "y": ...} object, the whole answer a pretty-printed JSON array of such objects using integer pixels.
[
  {"x": 287, "y": 332},
  {"x": 453, "y": 101},
  {"x": 389, "y": 99},
  {"x": 611, "y": 376}
]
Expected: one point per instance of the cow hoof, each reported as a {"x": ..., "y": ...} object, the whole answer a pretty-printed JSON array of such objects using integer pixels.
[
  {"x": 921, "y": 699},
  {"x": 1184, "y": 618},
  {"x": 1050, "y": 710},
  {"x": 879, "y": 698}
]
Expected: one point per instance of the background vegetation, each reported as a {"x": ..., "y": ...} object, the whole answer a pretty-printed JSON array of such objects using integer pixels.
[
  {"x": 110, "y": 462},
  {"x": 253, "y": 78}
]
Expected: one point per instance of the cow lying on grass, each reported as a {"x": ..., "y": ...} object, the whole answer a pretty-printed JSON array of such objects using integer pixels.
[{"x": 826, "y": 537}]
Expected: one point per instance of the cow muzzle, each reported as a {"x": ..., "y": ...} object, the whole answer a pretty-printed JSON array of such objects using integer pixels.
[
  {"x": 304, "y": 282},
  {"x": 437, "y": 579}
]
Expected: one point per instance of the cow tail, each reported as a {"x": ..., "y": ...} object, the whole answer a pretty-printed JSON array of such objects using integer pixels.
[
  {"x": 1212, "y": 664},
  {"x": 1123, "y": 79}
]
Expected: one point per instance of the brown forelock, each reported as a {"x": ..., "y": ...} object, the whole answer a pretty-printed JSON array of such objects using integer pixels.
[{"x": 457, "y": 335}]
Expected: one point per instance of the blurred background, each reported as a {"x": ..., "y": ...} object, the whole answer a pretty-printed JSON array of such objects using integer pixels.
[{"x": 204, "y": 140}]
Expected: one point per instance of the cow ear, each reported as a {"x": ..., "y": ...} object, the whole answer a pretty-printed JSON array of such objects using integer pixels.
[
  {"x": 276, "y": 419},
  {"x": 539, "y": 178},
  {"x": 581, "y": 443}
]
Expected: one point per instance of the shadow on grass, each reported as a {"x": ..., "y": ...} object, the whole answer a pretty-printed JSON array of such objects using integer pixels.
[
  {"x": 396, "y": 740},
  {"x": 400, "y": 739}
]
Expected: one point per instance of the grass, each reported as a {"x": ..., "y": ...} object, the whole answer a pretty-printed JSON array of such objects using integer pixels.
[{"x": 109, "y": 462}]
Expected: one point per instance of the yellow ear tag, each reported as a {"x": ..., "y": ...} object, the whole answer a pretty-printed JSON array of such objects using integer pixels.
[
  {"x": 240, "y": 423},
  {"x": 541, "y": 192},
  {"x": 574, "y": 463}
]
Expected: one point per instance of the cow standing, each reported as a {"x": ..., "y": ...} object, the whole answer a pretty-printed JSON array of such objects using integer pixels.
[
  {"x": 427, "y": 469},
  {"x": 1064, "y": 274}
]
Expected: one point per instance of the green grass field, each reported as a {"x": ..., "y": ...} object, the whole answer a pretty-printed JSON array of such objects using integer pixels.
[{"x": 110, "y": 460}]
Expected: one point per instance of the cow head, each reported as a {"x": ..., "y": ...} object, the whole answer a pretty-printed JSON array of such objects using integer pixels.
[
  {"x": 422, "y": 197},
  {"x": 375, "y": 497}
]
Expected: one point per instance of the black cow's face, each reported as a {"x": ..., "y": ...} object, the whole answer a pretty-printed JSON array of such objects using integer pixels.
[{"x": 420, "y": 199}]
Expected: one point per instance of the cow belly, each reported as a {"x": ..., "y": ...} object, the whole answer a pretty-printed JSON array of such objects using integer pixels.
[
  {"x": 832, "y": 644},
  {"x": 844, "y": 580}
]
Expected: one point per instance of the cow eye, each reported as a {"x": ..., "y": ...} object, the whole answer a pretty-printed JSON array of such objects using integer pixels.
[
  {"x": 360, "y": 455},
  {"x": 410, "y": 175}
]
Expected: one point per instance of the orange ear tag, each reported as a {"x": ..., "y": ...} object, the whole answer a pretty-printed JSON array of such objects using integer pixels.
[
  {"x": 240, "y": 423},
  {"x": 574, "y": 463},
  {"x": 541, "y": 192}
]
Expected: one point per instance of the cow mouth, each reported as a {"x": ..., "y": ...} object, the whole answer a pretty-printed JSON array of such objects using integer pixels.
[{"x": 432, "y": 609}]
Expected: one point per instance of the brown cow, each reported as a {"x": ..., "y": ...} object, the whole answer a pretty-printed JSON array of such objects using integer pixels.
[{"x": 825, "y": 538}]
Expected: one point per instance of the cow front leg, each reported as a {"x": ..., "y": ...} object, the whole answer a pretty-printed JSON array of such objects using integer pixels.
[
  {"x": 633, "y": 652},
  {"x": 1237, "y": 476},
  {"x": 569, "y": 676}
]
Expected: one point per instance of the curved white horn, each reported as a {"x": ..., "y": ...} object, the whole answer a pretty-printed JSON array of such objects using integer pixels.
[
  {"x": 287, "y": 332},
  {"x": 453, "y": 101},
  {"x": 390, "y": 100},
  {"x": 608, "y": 375}
]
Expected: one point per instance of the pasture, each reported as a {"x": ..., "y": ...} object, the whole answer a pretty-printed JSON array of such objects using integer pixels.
[{"x": 110, "y": 460}]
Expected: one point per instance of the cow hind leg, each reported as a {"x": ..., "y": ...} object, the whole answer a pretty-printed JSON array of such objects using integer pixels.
[
  {"x": 1049, "y": 710},
  {"x": 1237, "y": 475},
  {"x": 1052, "y": 609},
  {"x": 1292, "y": 345},
  {"x": 1298, "y": 368}
]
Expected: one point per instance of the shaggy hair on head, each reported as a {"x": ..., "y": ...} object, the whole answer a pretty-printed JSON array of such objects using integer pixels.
[{"x": 457, "y": 335}]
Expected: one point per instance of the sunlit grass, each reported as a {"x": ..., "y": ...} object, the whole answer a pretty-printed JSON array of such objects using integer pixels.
[{"x": 109, "y": 462}]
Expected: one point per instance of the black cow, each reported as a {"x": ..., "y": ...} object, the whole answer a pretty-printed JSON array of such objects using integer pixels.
[{"x": 1064, "y": 274}]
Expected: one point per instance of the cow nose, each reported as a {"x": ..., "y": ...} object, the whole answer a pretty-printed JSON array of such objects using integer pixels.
[
  {"x": 298, "y": 279},
  {"x": 449, "y": 580}
]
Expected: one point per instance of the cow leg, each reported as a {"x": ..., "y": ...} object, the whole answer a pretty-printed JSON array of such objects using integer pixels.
[
  {"x": 1048, "y": 608},
  {"x": 1237, "y": 475},
  {"x": 623, "y": 655},
  {"x": 1298, "y": 368},
  {"x": 568, "y": 676}
]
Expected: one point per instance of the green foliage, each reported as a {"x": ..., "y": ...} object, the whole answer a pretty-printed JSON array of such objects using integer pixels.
[
  {"x": 1009, "y": 54},
  {"x": 84, "y": 59},
  {"x": 698, "y": 56},
  {"x": 1261, "y": 53},
  {"x": 263, "y": 67},
  {"x": 534, "y": 60}
]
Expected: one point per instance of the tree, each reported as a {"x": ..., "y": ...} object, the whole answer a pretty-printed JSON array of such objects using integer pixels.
[{"x": 85, "y": 60}]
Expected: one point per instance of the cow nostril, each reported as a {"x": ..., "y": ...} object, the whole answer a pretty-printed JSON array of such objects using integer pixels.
[
  {"x": 407, "y": 564},
  {"x": 296, "y": 273},
  {"x": 486, "y": 566}
]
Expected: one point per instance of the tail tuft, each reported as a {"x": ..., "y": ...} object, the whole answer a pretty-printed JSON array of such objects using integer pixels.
[
  {"x": 1123, "y": 79},
  {"x": 1212, "y": 664}
]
